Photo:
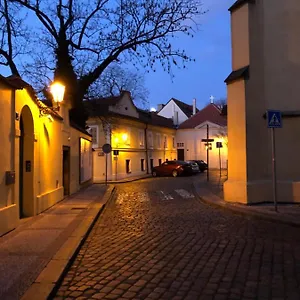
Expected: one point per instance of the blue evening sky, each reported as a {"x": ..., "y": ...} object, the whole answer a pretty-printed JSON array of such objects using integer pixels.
[{"x": 212, "y": 50}]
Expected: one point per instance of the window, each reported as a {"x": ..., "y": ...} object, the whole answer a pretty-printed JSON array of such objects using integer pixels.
[
  {"x": 93, "y": 131},
  {"x": 126, "y": 137},
  {"x": 174, "y": 144},
  {"x": 142, "y": 164},
  {"x": 165, "y": 142},
  {"x": 158, "y": 140},
  {"x": 150, "y": 140},
  {"x": 159, "y": 162},
  {"x": 180, "y": 145},
  {"x": 128, "y": 166},
  {"x": 141, "y": 138},
  {"x": 151, "y": 163}
]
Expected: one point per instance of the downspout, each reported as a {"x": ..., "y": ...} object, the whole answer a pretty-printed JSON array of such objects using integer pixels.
[
  {"x": 146, "y": 146},
  {"x": 13, "y": 145}
]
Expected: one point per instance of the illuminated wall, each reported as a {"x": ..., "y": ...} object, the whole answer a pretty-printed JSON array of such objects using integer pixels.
[{"x": 86, "y": 164}]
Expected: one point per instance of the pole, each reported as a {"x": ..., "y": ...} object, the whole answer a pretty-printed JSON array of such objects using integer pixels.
[
  {"x": 105, "y": 169},
  {"x": 220, "y": 162},
  {"x": 116, "y": 158},
  {"x": 274, "y": 169},
  {"x": 207, "y": 152}
]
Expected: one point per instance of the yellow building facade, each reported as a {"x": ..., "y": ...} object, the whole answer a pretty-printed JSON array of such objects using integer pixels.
[
  {"x": 40, "y": 154},
  {"x": 139, "y": 139},
  {"x": 265, "y": 71}
]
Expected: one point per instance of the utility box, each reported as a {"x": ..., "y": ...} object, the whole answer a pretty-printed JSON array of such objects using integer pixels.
[{"x": 10, "y": 177}]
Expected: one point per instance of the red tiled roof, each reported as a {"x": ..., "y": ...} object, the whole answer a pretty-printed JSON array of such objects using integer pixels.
[{"x": 210, "y": 113}]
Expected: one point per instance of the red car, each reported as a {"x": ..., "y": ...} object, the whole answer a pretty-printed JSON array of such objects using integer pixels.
[{"x": 172, "y": 167}]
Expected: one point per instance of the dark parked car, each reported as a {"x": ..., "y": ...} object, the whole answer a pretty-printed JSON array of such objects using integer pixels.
[
  {"x": 202, "y": 165},
  {"x": 195, "y": 167},
  {"x": 172, "y": 167}
]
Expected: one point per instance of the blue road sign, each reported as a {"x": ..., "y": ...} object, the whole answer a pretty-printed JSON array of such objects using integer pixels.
[{"x": 274, "y": 118}]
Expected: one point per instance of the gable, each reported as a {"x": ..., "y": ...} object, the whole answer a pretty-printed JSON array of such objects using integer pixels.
[{"x": 125, "y": 107}]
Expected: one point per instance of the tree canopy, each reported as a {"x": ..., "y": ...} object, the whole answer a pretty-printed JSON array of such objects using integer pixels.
[{"x": 74, "y": 41}]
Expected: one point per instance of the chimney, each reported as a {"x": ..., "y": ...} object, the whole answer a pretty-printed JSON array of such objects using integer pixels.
[
  {"x": 160, "y": 107},
  {"x": 194, "y": 106}
]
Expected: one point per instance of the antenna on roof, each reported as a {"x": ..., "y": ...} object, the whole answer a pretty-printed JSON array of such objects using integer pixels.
[{"x": 212, "y": 98}]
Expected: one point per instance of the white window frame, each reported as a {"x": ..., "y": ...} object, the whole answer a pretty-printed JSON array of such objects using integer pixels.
[
  {"x": 158, "y": 139},
  {"x": 141, "y": 138},
  {"x": 150, "y": 139},
  {"x": 95, "y": 144},
  {"x": 128, "y": 131},
  {"x": 165, "y": 141}
]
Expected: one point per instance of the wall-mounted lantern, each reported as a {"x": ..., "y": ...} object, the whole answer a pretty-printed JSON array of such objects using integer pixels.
[{"x": 57, "y": 91}]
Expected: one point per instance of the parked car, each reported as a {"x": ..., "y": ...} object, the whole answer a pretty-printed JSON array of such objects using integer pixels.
[
  {"x": 195, "y": 167},
  {"x": 172, "y": 168},
  {"x": 202, "y": 165}
]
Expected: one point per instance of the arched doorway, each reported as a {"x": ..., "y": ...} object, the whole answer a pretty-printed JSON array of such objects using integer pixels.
[{"x": 26, "y": 199}]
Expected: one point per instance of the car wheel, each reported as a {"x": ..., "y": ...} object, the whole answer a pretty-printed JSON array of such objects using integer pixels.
[
  {"x": 154, "y": 174},
  {"x": 174, "y": 173}
]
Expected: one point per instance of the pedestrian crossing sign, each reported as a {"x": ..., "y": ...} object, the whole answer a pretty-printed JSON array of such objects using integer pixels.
[{"x": 274, "y": 119}]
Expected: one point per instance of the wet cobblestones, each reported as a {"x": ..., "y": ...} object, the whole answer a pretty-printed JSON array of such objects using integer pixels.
[{"x": 155, "y": 243}]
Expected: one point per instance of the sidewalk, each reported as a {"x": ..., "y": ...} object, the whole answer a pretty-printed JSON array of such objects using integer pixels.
[
  {"x": 34, "y": 255},
  {"x": 211, "y": 193}
]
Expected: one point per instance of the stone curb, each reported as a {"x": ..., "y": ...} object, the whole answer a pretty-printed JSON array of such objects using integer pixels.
[
  {"x": 211, "y": 199},
  {"x": 52, "y": 274},
  {"x": 124, "y": 181}
]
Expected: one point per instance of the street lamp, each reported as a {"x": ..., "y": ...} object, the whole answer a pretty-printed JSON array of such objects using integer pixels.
[{"x": 57, "y": 91}]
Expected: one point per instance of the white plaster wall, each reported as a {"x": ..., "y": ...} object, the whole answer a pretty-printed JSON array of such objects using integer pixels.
[
  {"x": 169, "y": 110},
  {"x": 194, "y": 148}
]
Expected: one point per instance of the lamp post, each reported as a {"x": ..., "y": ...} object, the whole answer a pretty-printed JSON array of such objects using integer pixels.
[{"x": 57, "y": 91}]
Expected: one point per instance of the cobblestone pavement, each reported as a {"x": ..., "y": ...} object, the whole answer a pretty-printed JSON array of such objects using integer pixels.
[{"x": 155, "y": 240}]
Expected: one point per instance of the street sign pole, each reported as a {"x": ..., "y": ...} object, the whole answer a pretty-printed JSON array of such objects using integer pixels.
[
  {"x": 220, "y": 162},
  {"x": 274, "y": 169},
  {"x": 207, "y": 152},
  {"x": 274, "y": 121},
  {"x": 106, "y": 148},
  {"x": 106, "y": 169}
]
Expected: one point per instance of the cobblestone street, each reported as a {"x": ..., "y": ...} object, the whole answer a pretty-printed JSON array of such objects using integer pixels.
[{"x": 156, "y": 240}]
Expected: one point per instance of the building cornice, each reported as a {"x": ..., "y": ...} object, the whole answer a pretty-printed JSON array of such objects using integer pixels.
[
  {"x": 242, "y": 73},
  {"x": 238, "y": 4}
]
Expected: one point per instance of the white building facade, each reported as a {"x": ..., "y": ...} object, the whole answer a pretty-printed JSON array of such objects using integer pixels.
[
  {"x": 191, "y": 134},
  {"x": 177, "y": 110}
]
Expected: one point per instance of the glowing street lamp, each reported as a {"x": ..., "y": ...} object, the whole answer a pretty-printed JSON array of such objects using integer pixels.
[{"x": 57, "y": 91}]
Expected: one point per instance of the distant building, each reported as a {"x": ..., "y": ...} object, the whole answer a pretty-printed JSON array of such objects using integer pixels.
[
  {"x": 139, "y": 139},
  {"x": 191, "y": 132},
  {"x": 177, "y": 110}
]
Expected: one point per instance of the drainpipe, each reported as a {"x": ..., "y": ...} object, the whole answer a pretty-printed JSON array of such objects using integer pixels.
[{"x": 146, "y": 147}]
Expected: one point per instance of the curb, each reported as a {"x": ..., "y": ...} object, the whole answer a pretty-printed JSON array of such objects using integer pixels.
[
  {"x": 124, "y": 181},
  {"x": 45, "y": 284},
  {"x": 245, "y": 211}
]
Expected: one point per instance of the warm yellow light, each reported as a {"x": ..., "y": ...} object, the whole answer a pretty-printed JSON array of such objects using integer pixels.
[
  {"x": 57, "y": 91},
  {"x": 116, "y": 140},
  {"x": 124, "y": 137}
]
